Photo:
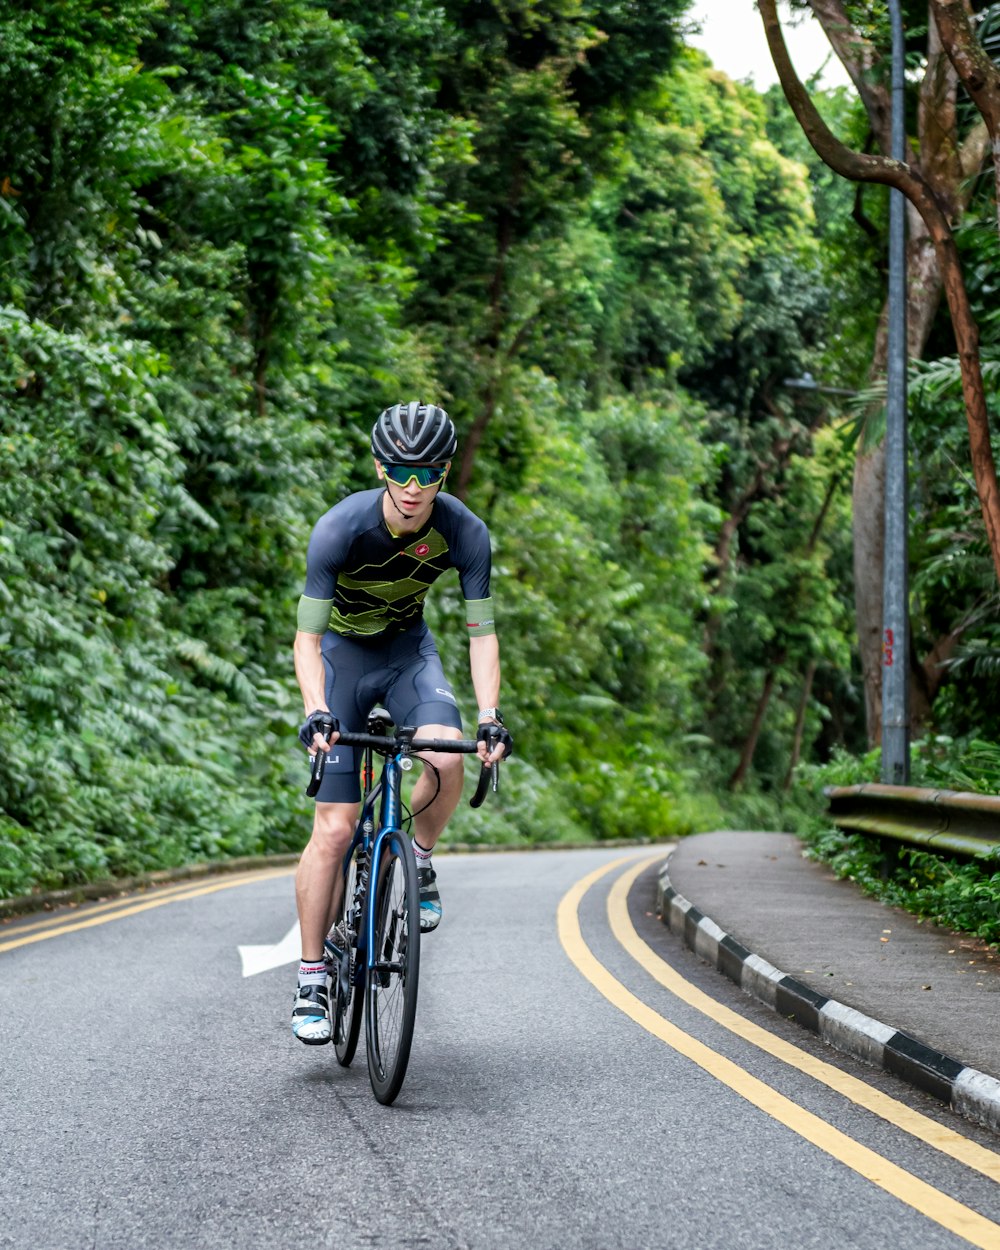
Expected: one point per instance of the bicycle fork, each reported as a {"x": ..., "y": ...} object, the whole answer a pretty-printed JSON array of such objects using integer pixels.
[{"x": 380, "y": 962}]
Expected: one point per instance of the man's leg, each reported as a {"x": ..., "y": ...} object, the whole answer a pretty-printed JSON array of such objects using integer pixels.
[
  {"x": 428, "y": 825},
  {"x": 318, "y": 880},
  {"x": 318, "y": 884}
]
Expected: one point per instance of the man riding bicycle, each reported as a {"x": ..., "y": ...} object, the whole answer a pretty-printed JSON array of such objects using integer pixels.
[{"x": 362, "y": 640}]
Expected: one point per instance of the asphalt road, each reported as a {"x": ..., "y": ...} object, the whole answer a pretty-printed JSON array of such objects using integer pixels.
[{"x": 151, "y": 1096}]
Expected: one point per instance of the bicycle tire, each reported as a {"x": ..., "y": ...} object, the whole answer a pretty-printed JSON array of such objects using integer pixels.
[
  {"x": 391, "y": 989},
  {"x": 349, "y": 1003}
]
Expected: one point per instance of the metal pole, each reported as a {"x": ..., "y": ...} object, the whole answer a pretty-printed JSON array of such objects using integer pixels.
[{"x": 895, "y": 592}]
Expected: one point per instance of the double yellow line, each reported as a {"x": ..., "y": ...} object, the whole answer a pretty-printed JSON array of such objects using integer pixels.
[
  {"x": 56, "y": 926},
  {"x": 930, "y": 1202}
]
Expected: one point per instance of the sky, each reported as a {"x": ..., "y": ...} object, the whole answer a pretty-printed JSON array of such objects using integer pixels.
[{"x": 733, "y": 36}]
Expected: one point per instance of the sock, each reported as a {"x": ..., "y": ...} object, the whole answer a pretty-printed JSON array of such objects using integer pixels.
[
  {"x": 423, "y": 857},
  {"x": 312, "y": 974}
]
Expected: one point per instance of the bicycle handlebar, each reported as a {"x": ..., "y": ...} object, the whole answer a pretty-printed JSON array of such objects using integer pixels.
[
  {"x": 389, "y": 745},
  {"x": 385, "y": 745}
]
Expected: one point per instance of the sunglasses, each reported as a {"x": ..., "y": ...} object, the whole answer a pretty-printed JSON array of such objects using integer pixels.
[{"x": 423, "y": 474}]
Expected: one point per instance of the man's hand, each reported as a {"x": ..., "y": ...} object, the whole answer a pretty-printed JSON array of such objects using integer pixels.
[
  {"x": 319, "y": 730},
  {"x": 495, "y": 742}
]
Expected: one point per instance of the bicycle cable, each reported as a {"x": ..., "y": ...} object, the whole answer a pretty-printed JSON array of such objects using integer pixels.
[{"x": 408, "y": 821}]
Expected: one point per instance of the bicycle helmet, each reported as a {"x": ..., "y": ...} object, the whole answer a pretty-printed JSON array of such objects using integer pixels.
[{"x": 414, "y": 434}]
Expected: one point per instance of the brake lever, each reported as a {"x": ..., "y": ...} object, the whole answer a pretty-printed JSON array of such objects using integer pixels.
[
  {"x": 318, "y": 768},
  {"x": 489, "y": 775}
]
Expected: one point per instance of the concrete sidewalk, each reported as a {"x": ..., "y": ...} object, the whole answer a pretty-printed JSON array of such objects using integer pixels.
[{"x": 903, "y": 995}]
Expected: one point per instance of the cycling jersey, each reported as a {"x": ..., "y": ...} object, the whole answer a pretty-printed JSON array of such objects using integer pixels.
[{"x": 363, "y": 581}]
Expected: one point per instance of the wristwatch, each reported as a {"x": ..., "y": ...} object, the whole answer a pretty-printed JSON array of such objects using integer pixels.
[{"x": 491, "y": 713}]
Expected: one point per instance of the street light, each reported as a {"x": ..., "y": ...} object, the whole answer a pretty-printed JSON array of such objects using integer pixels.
[
  {"x": 808, "y": 383},
  {"x": 895, "y": 580}
]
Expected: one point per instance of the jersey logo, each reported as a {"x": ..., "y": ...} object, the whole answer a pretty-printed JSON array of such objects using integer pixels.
[{"x": 421, "y": 549}]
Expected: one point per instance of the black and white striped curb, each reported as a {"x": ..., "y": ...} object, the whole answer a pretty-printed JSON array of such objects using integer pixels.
[{"x": 971, "y": 1093}]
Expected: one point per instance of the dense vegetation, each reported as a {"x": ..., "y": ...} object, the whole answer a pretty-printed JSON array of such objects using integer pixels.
[{"x": 230, "y": 233}]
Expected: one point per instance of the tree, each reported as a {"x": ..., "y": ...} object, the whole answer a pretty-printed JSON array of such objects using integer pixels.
[
  {"x": 933, "y": 185},
  {"x": 547, "y": 89}
]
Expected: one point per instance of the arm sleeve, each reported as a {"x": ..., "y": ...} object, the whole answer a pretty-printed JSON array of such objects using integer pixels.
[
  {"x": 474, "y": 562},
  {"x": 479, "y": 617},
  {"x": 314, "y": 615},
  {"x": 323, "y": 562}
]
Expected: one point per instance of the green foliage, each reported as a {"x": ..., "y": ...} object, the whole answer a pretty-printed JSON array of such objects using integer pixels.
[
  {"x": 114, "y": 725},
  {"x": 961, "y": 894},
  {"x": 229, "y": 234},
  {"x": 958, "y": 894}
]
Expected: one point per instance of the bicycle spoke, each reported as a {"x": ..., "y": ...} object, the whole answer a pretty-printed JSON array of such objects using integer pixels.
[
  {"x": 392, "y": 986},
  {"x": 349, "y": 1000}
]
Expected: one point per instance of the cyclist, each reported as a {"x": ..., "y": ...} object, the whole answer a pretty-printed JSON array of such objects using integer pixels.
[{"x": 362, "y": 640}]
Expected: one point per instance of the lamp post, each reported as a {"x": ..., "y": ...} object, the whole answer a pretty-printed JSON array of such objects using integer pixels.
[
  {"x": 808, "y": 383},
  {"x": 895, "y": 579}
]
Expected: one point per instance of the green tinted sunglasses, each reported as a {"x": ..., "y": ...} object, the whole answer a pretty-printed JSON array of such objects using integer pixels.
[{"x": 424, "y": 474}]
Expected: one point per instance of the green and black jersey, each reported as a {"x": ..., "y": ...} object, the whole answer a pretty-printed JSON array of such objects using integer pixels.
[{"x": 363, "y": 581}]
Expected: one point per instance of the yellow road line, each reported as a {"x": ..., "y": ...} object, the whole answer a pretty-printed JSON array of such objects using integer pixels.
[
  {"x": 67, "y": 912},
  {"x": 928, "y": 1201},
  {"x": 920, "y": 1126},
  {"x": 133, "y": 909}
]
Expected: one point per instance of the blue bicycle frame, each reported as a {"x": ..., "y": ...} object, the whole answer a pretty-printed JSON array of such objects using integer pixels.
[{"x": 390, "y": 814}]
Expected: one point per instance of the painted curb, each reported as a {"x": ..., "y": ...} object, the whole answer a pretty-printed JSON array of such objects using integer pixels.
[{"x": 970, "y": 1093}]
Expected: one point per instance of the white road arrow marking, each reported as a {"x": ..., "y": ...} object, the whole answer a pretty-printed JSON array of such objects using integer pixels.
[{"x": 263, "y": 958}]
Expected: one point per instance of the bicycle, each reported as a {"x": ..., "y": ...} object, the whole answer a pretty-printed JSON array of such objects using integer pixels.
[{"x": 376, "y": 967}]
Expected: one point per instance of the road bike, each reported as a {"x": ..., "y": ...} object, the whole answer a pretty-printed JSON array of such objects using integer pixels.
[{"x": 373, "y": 951}]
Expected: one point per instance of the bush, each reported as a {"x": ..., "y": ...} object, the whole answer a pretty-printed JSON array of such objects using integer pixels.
[{"x": 961, "y": 894}]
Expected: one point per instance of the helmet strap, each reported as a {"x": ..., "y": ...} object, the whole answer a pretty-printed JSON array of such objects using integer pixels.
[{"x": 385, "y": 482}]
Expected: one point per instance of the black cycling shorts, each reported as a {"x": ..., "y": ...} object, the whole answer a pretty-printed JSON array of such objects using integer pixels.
[{"x": 402, "y": 673}]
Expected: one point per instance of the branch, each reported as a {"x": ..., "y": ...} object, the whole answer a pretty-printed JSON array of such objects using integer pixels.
[
  {"x": 937, "y": 124},
  {"x": 979, "y": 75},
  {"x": 972, "y": 63},
  {"x": 933, "y": 669},
  {"x": 909, "y": 180},
  {"x": 972, "y": 153},
  {"x": 841, "y": 159},
  {"x": 858, "y": 57}
]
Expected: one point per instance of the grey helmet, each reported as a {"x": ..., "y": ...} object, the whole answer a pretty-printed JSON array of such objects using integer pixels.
[{"x": 414, "y": 434}]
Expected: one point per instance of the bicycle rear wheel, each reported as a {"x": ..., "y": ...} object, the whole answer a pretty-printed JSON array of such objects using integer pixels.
[
  {"x": 349, "y": 996},
  {"x": 391, "y": 991}
]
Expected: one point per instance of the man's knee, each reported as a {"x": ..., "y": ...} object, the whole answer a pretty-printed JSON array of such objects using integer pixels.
[
  {"x": 449, "y": 765},
  {"x": 333, "y": 826}
]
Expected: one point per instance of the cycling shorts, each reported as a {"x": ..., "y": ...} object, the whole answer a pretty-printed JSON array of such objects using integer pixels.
[{"x": 402, "y": 673}]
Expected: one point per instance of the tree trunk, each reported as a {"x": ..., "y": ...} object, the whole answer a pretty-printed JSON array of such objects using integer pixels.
[
  {"x": 923, "y": 294},
  {"x": 750, "y": 745},
  {"x": 472, "y": 440},
  {"x": 800, "y": 725},
  {"x": 491, "y": 347}
]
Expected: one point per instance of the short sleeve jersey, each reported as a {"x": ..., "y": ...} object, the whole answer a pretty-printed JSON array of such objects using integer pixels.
[{"x": 363, "y": 581}]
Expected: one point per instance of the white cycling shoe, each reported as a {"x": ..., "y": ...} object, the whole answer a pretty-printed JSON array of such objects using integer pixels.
[{"x": 311, "y": 1015}]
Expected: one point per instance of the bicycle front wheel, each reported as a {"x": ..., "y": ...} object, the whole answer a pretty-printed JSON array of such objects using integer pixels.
[
  {"x": 348, "y": 996},
  {"x": 391, "y": 991}
]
